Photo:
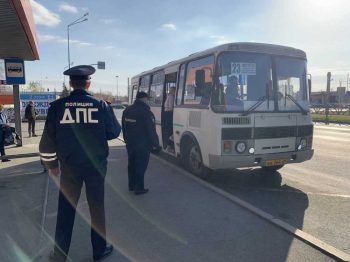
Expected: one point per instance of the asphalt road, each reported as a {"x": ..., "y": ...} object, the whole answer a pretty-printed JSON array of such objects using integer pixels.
[{"x": 313, "y": 196}]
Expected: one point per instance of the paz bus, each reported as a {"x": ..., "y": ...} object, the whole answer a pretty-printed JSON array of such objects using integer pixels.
[{"x": 236, "y": 105}]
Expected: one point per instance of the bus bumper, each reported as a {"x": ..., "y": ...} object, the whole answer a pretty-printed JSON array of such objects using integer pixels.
[{"x": 226, "y": 162}]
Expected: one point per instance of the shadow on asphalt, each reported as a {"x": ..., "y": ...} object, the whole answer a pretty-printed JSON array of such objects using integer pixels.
[
  {"x": 29, "y": 168},
  {"x": 264, "y": 190}
]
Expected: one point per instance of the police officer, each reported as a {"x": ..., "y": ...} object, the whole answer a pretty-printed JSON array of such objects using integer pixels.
[
  {"x": 140, "y": 136},
  {"x": 75, "y": 136}
]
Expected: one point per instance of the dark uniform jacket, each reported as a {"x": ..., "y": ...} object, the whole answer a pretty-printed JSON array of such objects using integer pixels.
[
  {"x": 138, "y": 124},
  {"x": 76, "y": 131}
]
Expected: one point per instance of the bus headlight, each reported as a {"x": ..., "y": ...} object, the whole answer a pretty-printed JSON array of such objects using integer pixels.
[
  {"x": 227, "y": 146},
  {"x": 302, "y": 144},
  {"x": 241, "y": 147}
]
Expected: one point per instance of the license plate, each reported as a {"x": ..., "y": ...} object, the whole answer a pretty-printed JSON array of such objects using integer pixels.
[{"x": 276, "y": 162}]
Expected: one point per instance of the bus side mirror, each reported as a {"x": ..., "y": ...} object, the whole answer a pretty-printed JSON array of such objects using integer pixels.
[{"x": 200, "y": 82}]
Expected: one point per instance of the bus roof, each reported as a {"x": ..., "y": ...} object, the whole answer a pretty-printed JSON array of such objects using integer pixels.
[{"x": 241, "y": 47}]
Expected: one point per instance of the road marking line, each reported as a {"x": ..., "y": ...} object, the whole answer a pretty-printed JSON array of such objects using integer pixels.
[
  {"x": 310, "y": 173},
  {"x": 344, "y": 128},
  {"x": 20, "y": 175},
  {"x": 289, "y": 191}
]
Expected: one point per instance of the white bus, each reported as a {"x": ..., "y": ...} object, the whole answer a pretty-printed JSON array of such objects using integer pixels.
[{"x": 237, "y": 105}]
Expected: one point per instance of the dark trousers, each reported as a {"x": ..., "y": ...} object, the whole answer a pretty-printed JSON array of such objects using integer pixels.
[
  {"x": 168, "y": 127},
  {"x": 138, "y": 159},
  {"x": 31, "y": 126},
  {"x": 70, "y": 188}
]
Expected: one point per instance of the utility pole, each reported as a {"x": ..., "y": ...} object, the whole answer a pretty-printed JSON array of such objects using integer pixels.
[
  {"x": 128, "y": 89},
  {"x": 117, "y": 88},
  {"x": 327, "y": 96}
]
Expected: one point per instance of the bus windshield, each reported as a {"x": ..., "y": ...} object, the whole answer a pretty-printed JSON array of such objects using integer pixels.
[
  {"x": 245, "y": 81},
  {"x": 291, "y": 84}
]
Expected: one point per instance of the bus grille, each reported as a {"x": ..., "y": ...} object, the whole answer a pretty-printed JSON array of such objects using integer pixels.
[
  {"x": 275, "y": 132},
  {"x": 266, "y": 132},
  {"x": 236, "y": 121}
]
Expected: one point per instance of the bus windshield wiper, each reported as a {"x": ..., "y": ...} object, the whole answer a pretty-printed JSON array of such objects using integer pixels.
[
  {"x": 255, "y": 106},
  {"x": 303, "y": 111}
]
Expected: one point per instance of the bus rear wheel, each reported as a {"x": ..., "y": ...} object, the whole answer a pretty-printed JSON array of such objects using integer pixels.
[
  {"x": 272, "y": 168},
  {"x": 193, "y": 159}
]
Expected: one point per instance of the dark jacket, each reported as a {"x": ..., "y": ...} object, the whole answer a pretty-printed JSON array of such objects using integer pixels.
[
  {"x": 138, "y": 124},
  {"x": 30, "y": 112},
  {"x": 76, "y": 131}
]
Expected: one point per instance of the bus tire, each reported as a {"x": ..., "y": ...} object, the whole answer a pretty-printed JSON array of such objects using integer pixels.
[
  {"x": 271, "y": 168},
  {"x": 193, "y": 159}
]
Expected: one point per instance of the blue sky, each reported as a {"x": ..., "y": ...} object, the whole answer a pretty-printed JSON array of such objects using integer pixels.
[{"x": 136, "y": 35}]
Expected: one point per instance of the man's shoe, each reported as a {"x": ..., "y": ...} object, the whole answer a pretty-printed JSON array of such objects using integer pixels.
[
  {"x": 108, "y": 251},
  {"x": 34, "y": 134},
  {"x": 141, "y": 192},
  {"x": 57, "y": 257},
  {"x": 5, "y": 160}
]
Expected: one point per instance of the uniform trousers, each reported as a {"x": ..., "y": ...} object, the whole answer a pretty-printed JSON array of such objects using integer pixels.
[
  {"x": 71, "y": 183},
  {"x": 168, "y": 127},
  {"x": 138, "y": 158}
]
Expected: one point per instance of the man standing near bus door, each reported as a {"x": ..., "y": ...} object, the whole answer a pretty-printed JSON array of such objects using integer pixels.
[
  {"x": 140, "y": 136},
  {"x": 168, "y": 117},
  {"x": 75, "y": 135}
]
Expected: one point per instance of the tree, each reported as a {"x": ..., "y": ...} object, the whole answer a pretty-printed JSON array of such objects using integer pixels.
[
  {"x": 35, "y": 86},
  {"x": 65, "y": 91},
  {"x": 107, "y": 96}
]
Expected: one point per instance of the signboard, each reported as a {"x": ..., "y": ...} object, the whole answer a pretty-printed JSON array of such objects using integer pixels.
[
  {"x": 41, "y": 101},
  {"x": 14, "y": 69},
  {"x": 101, "y": 65},
  {"x": 243, "y": 68}
]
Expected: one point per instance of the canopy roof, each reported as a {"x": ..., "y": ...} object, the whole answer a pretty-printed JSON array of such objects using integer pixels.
[{"x": 17, "y": 30}]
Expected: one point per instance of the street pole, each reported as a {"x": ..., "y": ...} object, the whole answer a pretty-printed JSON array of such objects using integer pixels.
[
  {"x": 79, "y": 20},
  {"x": 17, "y": 108},
  {"x": 128, "y": 88},
  {"x": 327, "y": 96},
  {"x": 117, "y": 88},
  {"x": 68, "y": 46}
]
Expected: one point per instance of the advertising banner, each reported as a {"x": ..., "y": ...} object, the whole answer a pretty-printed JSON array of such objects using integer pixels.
[{"x": 41, "y": 101}]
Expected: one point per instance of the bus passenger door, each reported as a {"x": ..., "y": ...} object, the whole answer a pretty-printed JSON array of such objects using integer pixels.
[
  {"x": 167, "y": 112},
  {"x": 157, "y": 99}
]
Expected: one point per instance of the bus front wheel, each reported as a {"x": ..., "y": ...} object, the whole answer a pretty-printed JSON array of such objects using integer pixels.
[{"x": 193, "y": 159}]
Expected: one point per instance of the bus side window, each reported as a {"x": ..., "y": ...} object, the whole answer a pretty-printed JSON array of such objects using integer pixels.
[
  {"x": 145, "y": 84},
  {"x": 134, "y": 92},
  {"x": 180, "y": 89},
  {"x": 199, "y": 81},
  {"x": 156, "y": 91}
]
